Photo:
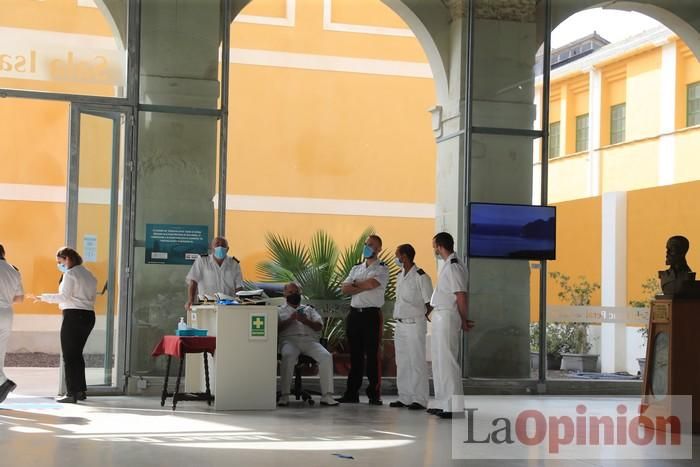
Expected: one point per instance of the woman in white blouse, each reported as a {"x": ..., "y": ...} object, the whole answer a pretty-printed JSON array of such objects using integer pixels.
[{"x": 76, "y": 298}]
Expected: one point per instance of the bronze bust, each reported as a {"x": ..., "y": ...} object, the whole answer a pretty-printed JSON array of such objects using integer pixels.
[{"x": 678, "y": 277}]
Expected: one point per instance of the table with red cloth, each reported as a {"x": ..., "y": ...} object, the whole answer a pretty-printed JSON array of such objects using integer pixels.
[{"x": 179, "y": 346}]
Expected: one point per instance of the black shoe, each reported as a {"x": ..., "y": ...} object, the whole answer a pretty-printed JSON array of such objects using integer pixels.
[
  {"x": 451, "y": 415},
  {"x": 398, "y": 404},
  {"x": 6, "y": 388},
  {"x": 434, "y": 411},
  {"x": 416, "y": 406},
  {"x": 348, "y": 400},
  {"x": 67, "y": 399},
  {"x": 81, "y": 396},
  {"x": 376, "y": 402}
]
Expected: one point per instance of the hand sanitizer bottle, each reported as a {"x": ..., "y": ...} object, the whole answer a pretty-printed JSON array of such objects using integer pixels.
[{"x": 182, "y": 326}]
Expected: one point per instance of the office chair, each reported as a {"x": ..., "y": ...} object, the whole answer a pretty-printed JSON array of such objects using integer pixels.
[{"x": 304, "y": 361}]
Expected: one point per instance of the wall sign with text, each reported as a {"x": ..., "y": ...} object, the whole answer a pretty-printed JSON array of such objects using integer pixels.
[{"x": 175, "y": 244}]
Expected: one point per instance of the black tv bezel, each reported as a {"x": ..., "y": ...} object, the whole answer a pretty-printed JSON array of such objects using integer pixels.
[{"x": 469, "y": 223}]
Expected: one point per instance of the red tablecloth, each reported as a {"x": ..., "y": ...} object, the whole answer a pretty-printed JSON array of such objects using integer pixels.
[{"x": 178, "y": 346}]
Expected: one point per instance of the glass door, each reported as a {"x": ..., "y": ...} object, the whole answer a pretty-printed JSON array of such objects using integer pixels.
[{"x": 95, "y": 214}]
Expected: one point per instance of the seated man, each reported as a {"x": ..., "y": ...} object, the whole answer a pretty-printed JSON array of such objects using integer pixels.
[{"x": 299, "y": 331}]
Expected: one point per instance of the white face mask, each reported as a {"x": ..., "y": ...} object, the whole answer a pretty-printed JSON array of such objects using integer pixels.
[{"x": 398, "y": 262}]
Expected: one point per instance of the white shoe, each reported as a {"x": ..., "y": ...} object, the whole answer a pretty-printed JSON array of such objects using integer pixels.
[
  {"x": 283, "y": 400},
  {"x": 327, "y": 399}
]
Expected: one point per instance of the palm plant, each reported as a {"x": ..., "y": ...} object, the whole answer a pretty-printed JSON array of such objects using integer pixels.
[{"x": 320, "y": 269}]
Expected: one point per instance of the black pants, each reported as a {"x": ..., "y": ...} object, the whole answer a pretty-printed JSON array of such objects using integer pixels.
[
  {"x": 76, "y": 327},
  {"x": 364, "y": 330}
]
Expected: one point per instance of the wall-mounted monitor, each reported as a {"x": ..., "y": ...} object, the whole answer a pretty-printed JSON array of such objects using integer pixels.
[{"x": 513, "y": 231}]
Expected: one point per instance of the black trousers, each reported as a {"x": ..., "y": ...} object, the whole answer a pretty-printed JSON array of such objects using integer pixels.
[
  {"x": 364, "y": 331},
  {"x": 75, "y": 329}
]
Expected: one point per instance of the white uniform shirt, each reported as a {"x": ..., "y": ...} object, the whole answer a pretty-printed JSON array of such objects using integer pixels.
[
  {"x": 78, "y": 290},
  {"x": 10, "y": 284},
  {"x": 296, "y": 328},
  {"x": 452, "y": 279},
  {"x": 413, "y": 291},
  {"x": 369, "y": 298},
  {"x": 212, "y": 278}
]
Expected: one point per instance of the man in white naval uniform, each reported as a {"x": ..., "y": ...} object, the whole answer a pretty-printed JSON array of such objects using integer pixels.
[
  {"x": 411, "y": 310},
  {"x": 450, "y": 301},
  {"x": 214, "y": 273},
  {"x": 10, "y": 292},
  {"x": 299, "y": 333}
]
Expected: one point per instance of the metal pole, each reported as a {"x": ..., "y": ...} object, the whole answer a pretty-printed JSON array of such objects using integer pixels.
[
  {"x": 546, "y": 69},
  {"x": 223, "y": 124},
  {"x": 466, "y": 143}
]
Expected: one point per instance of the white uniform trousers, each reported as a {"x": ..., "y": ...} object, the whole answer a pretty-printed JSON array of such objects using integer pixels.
[
  {"x": 291, "y": 347},
  {"x": 5, "y": 329},
  {"x": 411, "y": 366},
  {"x": 447, "y": 374}
]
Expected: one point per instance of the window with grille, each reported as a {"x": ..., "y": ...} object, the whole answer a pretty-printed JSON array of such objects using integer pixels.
[
  {"x": 554, "y": 139},
  {"x": 582, "y": 133},
  {"x": 693, "y": 104},
  {"x": 617, "y": 123}
]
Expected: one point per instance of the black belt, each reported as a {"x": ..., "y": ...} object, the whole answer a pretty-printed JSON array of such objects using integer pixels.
[{"x": 360, "y": 310}]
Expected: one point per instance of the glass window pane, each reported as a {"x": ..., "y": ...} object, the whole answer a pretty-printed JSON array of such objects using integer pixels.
[
  {"x": 554, "y": 139},
  {"x": 64, "y": 47},
  {"x": 582, "y": 133}
]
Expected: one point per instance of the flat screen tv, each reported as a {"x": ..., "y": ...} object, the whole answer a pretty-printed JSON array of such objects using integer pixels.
[{"x": 513, "y": 231}]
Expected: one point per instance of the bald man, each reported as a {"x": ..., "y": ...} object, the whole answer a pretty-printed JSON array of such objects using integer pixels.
[{"x": 214, "y": 273}]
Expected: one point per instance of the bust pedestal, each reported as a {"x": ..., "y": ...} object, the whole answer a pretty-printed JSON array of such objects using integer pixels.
[{"x": 673, "y": 355}]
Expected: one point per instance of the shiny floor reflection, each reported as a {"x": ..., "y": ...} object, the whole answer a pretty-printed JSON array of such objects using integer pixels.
[{"x": 122, "y": 431}]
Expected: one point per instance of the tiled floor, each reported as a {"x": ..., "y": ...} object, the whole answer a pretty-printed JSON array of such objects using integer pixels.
[{"x": 135, "y": 431}]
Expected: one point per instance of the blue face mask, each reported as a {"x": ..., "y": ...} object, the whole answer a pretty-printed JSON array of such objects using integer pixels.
[
  {"x": 368, "y": 252},
  {"x": 398, "y": 262},
  {"x": 61, "y": 267},
  {"x": 220, "y": 252}
]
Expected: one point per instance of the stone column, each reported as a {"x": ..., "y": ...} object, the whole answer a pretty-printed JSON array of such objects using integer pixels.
[{"x": 177, "y": 154}]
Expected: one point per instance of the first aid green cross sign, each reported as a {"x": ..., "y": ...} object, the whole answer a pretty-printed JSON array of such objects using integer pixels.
[{"x": 258, "y": 325}]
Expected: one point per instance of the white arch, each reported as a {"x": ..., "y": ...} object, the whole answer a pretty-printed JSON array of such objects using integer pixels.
[
  {"x": 685, "y": 31},
  {"x": 429, "y": 47}
]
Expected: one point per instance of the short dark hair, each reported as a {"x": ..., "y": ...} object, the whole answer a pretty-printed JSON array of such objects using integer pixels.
[
  {"x": 70, "y": 253},
  {"x": 445, "y": 240},
  {"x": 408, "y": 250},
  {"x": 682, "y": 242},
  {"x": 377, "y": 238},
  {"x": 2, "y": 252}
]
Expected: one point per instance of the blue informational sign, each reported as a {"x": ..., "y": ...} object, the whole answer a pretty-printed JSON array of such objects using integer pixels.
[{"x": 175, "y": 244}]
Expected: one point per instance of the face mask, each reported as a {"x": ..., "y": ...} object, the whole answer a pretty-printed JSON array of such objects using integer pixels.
[
  {"x": 437, "y": 254},
  {"x": 294, "y": 299},
  {"x": 398, "y": 262},
  {"x": 220, "y": 252},
  {"x": 368, "y": 252},
  {"x": 61, "y": 267}
]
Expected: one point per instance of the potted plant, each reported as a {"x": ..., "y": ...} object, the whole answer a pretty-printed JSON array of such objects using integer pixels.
[
  {"x": 650, "y": 288},
  {"x": 558, "y": 343},
  {"x": 320, "y": 269},
  {"x": 575, "y": 356}
]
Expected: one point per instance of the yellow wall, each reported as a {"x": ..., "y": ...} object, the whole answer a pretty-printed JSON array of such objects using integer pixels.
[
  {"x": 314, "y": 134},
  {"x": 33, "y": 141},
  {"x": 653, "y": 216},
  {"x": 568, "y": 177},
  {"x": 248, "y": 229},
  {"x": 578, "y": 248},
  {"x": 687, "y": 160},
  {"x": 331, "y": 135},
  {"x": 643, "y": 95},
  {"x": 628, "y": 166}
]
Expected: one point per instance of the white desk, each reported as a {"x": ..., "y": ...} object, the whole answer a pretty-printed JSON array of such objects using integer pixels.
[{"x": 243, "y": 374}]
